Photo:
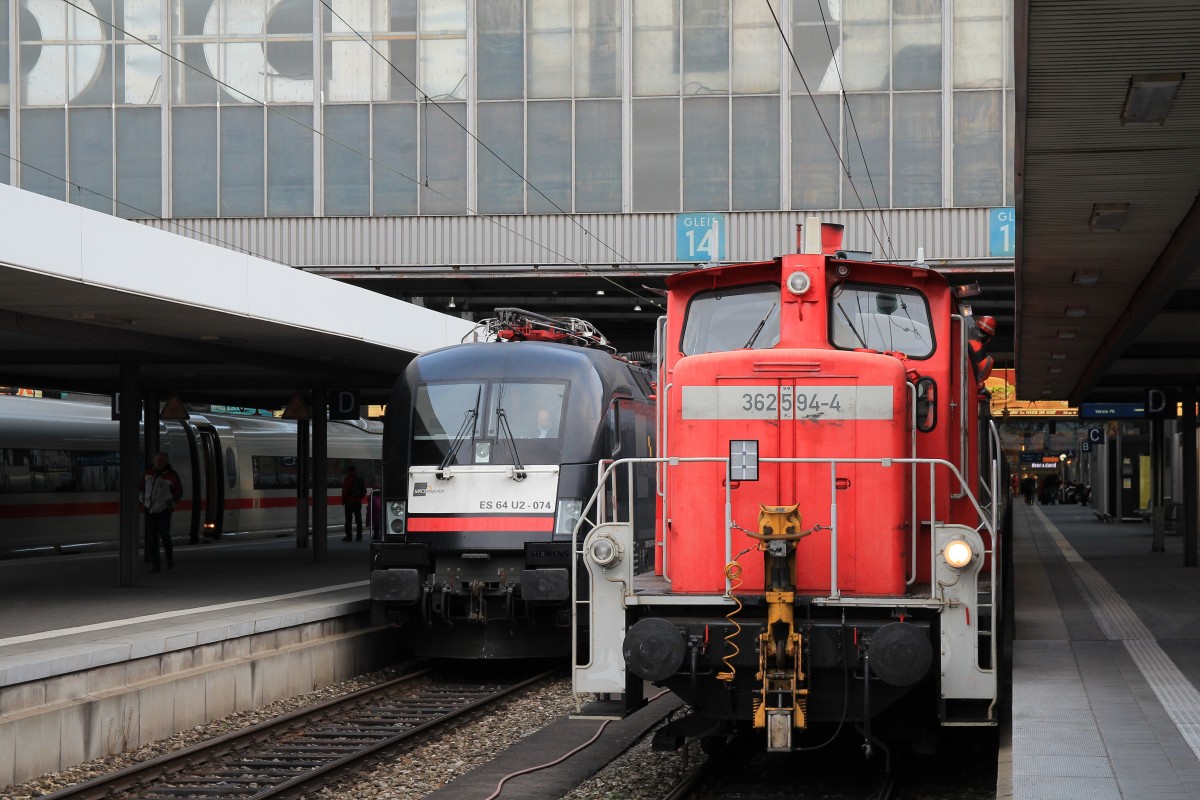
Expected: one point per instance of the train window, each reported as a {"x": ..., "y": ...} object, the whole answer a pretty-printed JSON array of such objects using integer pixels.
[
  {"x": 36, "y": 470},
  {"x": 533, "y": 410},
  {"x": 441, "y": 409},
  {"x": 741, "y": 318},
  {"x": 230, "y": 467},
  {"x": 275, "y": 472},
  {"x": 880, "y": 318}
]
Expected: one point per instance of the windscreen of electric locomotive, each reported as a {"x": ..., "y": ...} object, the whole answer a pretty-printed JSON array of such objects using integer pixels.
[
  {"x": 476, "y": 420},
  {"x": 738, "y": 318},
  {"x": 880, "y": 318}
]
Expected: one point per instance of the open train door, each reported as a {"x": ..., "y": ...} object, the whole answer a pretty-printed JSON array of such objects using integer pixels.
[{"x": 208, "y": 483}]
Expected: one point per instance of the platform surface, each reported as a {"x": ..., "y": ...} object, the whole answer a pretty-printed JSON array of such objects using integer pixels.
[
  {"x": 1106, "y": 661},
  {"x": 59, "y": 614}
]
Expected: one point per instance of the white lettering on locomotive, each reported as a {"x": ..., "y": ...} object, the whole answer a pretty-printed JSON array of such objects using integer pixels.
[{"x": 802, "y": 402}]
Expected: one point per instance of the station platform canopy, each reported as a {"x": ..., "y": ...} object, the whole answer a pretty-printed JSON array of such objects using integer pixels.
[{"x": 82, "y": 293}]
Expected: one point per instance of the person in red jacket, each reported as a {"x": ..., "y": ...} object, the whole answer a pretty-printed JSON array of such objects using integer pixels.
[{"x": 161, "y": 490}]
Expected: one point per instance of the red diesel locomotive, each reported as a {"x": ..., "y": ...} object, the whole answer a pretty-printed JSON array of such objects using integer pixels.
[{"x": 830, "y": 509}]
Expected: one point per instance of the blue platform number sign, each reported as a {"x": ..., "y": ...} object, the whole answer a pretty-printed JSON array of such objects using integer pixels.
[
  {"x": 1002, "y": 232},
  {"x": 700, "y": 237}
]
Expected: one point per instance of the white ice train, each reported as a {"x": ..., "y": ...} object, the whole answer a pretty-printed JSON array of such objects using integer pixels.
[{"x": 59, "y": 473}]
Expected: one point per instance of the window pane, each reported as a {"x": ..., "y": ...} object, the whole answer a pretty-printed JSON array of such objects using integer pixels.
[
  {"x": 705, "y": 154},
  {"x": 444, "y": 68},
  {"x": 395, "y": 155},
  {"x": 755, "y": 153},
  {"x": 705, "y": 46},
  {"x": 597, "y": 48},
  {"x": 445, "y": 165},
  {"x": 598, "y": 156},
  {"x": 5, "y": 161},
  {"x": 549, "y": 48},
  {"x": 5, "y": 93},
  {"x": 402, "y": 15},
  {"x": 139, "y": 162},
  {"x": 502, "y": 128},
  {"x": 194, "y": 82},
  {"x": 725, "y": 319},
  {"x": 190, "y": 15},
  {"x": 865, "y": 45},
  {"x": 979, "y": 41},
  {"x": 755, "y": 47},
  {"x": 404, "y": 56},
  {"x": 1010, "y": 143},
  {"x": 656, "y": 155},
  {"x": 443, "y": 15},
  {"x": 978, "y": 140},
  {"x": 501, "y": 55},
  {"x": 347, "y": 173},
  {"x": 871, "y": 115},
  {"x": 917, "y": 148},
  {"x": 243, "y": 68},
  {"x": 655, "y": 47},
  {"x": 140, "y": 78},
  {"x": 193, "y": 154},
  {"x": 352, "y": 69},
  {"x": 814, "y": 26},
  {"x": 290, "y": 162},
  {"x": 550, "y": 150},
  {"x": 917, "y": 44},
  {"x": 90, "y": 68},
  {"x": 44, "y": 151},
  {"x": 881, "y": 318},
  {"x": 241, "y": 162},
  {"x": 91, "y": 159},
  {"x": 815, "y": 167}
]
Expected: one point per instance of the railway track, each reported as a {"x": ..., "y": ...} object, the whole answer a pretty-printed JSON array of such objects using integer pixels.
[{"x": 299, "y": 751}]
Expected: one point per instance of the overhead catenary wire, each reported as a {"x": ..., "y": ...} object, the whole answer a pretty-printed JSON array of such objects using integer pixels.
[
  {"x": 462, "y": 204},
  {"x": 890, "y": 251},
  {"x": 837, "y": 150}
]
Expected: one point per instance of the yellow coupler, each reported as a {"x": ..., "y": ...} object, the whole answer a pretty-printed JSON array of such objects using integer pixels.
[{"x": 781, "y": 704}]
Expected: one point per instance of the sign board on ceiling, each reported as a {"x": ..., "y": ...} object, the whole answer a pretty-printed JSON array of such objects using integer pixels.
[{"x": 700, "y": 237}]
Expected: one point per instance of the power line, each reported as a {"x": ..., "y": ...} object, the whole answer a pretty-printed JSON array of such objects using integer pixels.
[
  {"x": 372, "y": 160},
  {"x": 837, "y": 150},
  {"x": 846, "y": 102}
]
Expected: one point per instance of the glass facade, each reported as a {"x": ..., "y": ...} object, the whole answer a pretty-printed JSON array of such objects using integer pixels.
[{"x": 244, "y": 108}]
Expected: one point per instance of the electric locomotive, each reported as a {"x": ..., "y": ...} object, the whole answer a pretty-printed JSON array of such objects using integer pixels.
[
  {"x": 832, "y": 503},
  {"x": 490, "y": 450}
]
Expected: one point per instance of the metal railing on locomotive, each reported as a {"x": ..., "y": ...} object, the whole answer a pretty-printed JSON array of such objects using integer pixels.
[{"x": 620, "y": 533}]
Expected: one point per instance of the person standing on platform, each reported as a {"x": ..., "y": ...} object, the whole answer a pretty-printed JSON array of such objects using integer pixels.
[
  {"x": 353, "y": 492},
  {"x": 161, "y": 491}
]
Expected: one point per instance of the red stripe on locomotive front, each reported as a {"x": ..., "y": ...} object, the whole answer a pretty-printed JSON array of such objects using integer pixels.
[{"x": 544, "y": 524}]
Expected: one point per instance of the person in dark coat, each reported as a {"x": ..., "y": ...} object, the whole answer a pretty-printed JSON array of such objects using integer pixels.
[
  {"x": 353, "y": 492},
  {"x": 161, "y": 491}
]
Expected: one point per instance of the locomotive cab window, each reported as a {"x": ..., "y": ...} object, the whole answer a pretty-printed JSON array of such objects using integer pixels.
[
  {"x": 741, "y": 318},
  {"x": 880, "y": 318}
]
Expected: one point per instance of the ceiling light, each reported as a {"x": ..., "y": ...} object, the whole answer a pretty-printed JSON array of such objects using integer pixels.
[
  {"x": 1149, "y": 98},
  {"x": 599, "y": 293},
  {"x": 1059, "y": 356},
  {"x": 638, "y": 307},
  {"x": 1076, "y": 311},
  {"x": 1108, "y": 217},
  {"x": 451, "y": 304},
  {"x": 1086, "y": 277},
  {"x": 1066, "y": 333}
]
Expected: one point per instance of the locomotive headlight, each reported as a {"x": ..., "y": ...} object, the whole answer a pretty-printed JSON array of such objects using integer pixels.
[
  {"x": 604, "y": 551},
  {"x": 958, "y": 553},
  {"x": 799, "y": 283},
  {"x": 566, "y": 516},
  {"x": 396, "y": 512}
]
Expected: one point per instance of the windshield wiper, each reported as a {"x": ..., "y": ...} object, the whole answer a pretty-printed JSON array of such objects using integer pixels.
[
  {"x": 467, "y": 426},
  {"x": 761, "y": 324},
  {"x": 503, "y": 427},
  {"x": 853, "y": 329}
]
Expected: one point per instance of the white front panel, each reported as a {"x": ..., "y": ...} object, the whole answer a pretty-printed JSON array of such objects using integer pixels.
[
  {"x": 482, "y": 490},
  {"x": 808, "y": 402}
]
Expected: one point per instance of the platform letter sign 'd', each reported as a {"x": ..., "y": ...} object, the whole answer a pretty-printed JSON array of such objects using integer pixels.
[
  {"x": 700, "y": 237},
  {"x": 343, "y": 404},
  {"x": 1160, "y": 404}
]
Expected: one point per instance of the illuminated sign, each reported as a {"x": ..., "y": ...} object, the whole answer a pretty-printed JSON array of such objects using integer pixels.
[{"x": 1002, "y": 385}]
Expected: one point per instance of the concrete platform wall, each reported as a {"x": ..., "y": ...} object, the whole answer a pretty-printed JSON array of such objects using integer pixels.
[{"x": 54, "y": 723}]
